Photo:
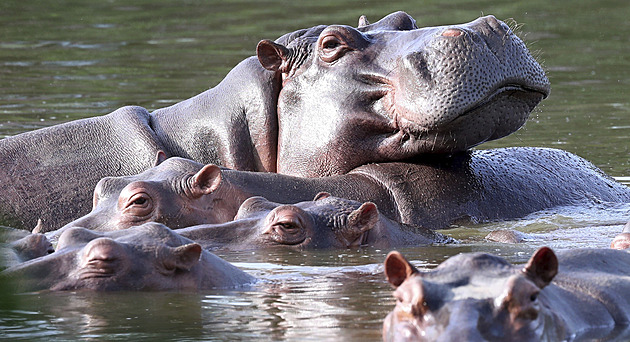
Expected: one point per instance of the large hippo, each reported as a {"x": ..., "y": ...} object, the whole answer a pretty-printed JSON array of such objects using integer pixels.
[
  {"x": 147, "y": 257},
  {"x": 325, "y": 222},
  {"x": 316, "y": 102},
  {"x": 579, "y": 295}
]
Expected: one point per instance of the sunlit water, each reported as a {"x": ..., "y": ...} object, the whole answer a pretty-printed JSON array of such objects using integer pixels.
[{"x": 63, "y": 61}]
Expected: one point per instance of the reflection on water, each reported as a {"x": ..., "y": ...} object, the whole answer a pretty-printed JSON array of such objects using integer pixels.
[{"x": 62, "y": 62}]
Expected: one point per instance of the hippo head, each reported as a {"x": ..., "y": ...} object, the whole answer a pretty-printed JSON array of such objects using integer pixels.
[
  {"x": 325, "y": 222},
  {"x": 471, "y": 297},
  {"x": 147, "y": 257},
  {"x": 176, "y": 193},
  {"x": 390, "y": 91}
]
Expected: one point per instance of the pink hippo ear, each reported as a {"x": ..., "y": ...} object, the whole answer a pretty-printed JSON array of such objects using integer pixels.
[
  {"x": 365, "y": 217},
  {"x": 272, "y": 56},
  {"x": 159, "y": 158},
  {"x": 542, "y": 267},
  {"x": 182, "y": 257},
  {"x": 397, "y": 268},
  {"x": 363, "y": 21},
  {"x": 206, "y": 181}
]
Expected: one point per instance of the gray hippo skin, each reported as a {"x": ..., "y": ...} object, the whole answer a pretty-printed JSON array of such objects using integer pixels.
[
  {"x": 325, "y": 222},
  {"x": 477, "y": 186},
  {"x": 579, "y": 295},
  {"x": 150, "y": 257},
  {"x": 316, "y": 102}
]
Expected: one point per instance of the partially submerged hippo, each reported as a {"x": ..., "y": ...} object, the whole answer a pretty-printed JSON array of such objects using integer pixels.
[
  {"x": 478, "y": 186},
  {"x": 475, "y": 187},
  {"x": 147, "y": 257},
  {"x": 316, "y": 102},
  {"x": 325, "y": 222},
  {"x": 481, "y": 297}
]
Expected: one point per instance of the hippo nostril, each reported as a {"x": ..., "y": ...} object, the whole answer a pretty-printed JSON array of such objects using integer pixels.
[
  {"x": 452, "y": 32},
  {"x": 102, "y": 250}
]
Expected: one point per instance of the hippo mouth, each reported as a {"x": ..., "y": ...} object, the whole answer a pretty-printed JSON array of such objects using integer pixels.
[
  {"x": 99, "y": 269},
  {"x": 484, "y": 120},
  {"x": 512, "y": 88}
]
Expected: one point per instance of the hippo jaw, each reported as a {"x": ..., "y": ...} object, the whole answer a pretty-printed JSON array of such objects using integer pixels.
[{"x": 390, "y": 91}]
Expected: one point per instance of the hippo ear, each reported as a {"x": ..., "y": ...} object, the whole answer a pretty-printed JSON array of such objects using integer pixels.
[
  {"x": 206, "y": 181},
  {"x": 39, "y": 228},
  {"x": 321, "y": 196},
  {"x": 542, "y": 267},
  {"x": 397, "y": 268},
  {"x": 365, "y": 217},
  {"x": 159, "y": 158},
  {"x": 363, "y": 21},
  {"x": 271, "y": 55},
  {"x": 183, "y": 257}
]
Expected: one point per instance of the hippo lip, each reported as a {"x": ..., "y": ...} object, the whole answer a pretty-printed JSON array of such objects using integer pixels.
[
  {"x": 500, "y": 90},
  {"x": 98, "y": 269},
  {"x": 409, "y": 129}
]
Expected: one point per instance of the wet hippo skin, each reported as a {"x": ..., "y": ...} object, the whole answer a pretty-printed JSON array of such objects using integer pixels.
[{"x": 316, "y": 102}]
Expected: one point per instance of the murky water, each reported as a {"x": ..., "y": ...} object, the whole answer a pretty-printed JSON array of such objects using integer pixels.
[{"x": 61, "y": 60}]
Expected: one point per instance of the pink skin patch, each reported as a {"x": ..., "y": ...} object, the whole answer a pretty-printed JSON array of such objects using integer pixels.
[{"x": 452, "y": 33}]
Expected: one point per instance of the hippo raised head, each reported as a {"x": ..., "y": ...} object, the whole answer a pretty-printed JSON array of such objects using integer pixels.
[
  {"x": 576, "y": 295},
  {"x": 390, "y": 91}
]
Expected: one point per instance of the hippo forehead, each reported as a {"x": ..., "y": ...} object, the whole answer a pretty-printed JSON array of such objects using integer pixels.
[
  {"x": 475, "y": 275},
  {"x": 331, "y": 211},
  {"x": 146, "y": 234},
  {"x": 397, "y": 21},
  {"x": 150, "y": 234},
  {"x": 171, "y": 169}
]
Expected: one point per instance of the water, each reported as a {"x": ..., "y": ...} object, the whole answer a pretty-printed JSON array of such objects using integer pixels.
[{"x": 64, "y": 60}]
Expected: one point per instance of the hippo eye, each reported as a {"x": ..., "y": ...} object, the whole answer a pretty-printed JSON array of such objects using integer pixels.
[
  {"x": 331, "y": 48},
  {"x": 533, "y": 296},
  {"x": 140, "y": 199},
  {"x": 286, "y": 225},
  {"x": 138, "y": 206},
  {"x": 330, "y": 43}
]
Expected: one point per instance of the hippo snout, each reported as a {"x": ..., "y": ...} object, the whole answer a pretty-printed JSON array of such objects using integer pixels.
[{"x": 102, "y": 257}]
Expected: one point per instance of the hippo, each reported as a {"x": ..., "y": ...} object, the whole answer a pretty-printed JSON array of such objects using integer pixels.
[
  {"x": 149, "y": 257},
  {"x": 477, "y": 186},
  {"x": 315, "y": 102},
  {"x": 579, "y": 294},
  {"x": 324, "y": 222}
]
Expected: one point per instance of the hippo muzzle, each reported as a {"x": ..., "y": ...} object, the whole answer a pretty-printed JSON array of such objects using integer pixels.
[{"x": 454, "y": 84}]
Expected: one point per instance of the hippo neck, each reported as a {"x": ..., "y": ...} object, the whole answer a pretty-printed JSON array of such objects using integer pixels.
[{"x": 204, "y": 127}]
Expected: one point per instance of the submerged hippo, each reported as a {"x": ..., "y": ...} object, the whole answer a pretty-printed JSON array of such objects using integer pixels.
[
  {"x": 580, "y": 294},
  {"x": 316, "y": 102},
  {"x": 325, "y": 222},
  {"x": 147, "y": 257}
]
